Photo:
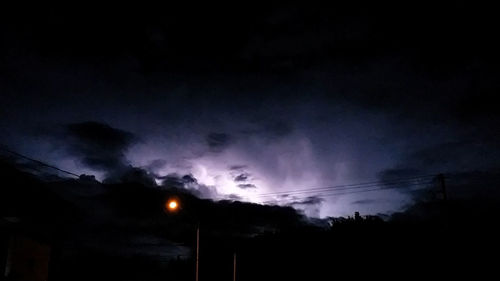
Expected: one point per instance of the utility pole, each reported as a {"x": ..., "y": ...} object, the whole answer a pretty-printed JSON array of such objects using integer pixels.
[
  {"x": 197, "y": 249},
  {"x": 234, "y": 267}
]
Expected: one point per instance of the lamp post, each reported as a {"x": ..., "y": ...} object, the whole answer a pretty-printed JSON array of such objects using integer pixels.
[
  {"x": 197, "y": 250},
  {"x": 173, "y": 206},
  {"x": 234, "y": 267}
]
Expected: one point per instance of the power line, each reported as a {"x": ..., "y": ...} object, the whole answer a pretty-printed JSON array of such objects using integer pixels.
[
  {"x": 342, "y": 193},
  {"x": 405, "y": 183},
  {"x": 360, "y": 189},
  {"x": 401, "y": 180},
  {"x": 2, "y": 147},
  {"x": 408, "y": 180}
]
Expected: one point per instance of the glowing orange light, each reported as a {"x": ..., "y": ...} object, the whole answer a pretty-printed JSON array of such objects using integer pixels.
[{"x": 172, "y": 205}]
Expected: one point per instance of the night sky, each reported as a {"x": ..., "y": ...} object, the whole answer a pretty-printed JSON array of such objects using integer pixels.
[{"x": 236, "y": 101}]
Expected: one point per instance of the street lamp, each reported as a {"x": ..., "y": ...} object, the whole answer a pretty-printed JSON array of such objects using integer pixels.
[{"x": 172, "y": 206}]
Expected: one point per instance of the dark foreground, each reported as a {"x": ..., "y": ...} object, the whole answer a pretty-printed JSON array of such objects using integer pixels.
[{"x": 82, "y": 230}]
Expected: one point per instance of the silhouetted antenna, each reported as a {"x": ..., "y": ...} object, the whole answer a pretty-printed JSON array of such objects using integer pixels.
[{"x": 2, "y": 148}]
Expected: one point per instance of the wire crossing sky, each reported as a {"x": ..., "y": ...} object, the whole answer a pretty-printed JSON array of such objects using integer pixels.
[{"x": 352, "y": 186}]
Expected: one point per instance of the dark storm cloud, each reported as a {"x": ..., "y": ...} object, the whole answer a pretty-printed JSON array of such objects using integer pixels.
[
  {"x": 102, "y": 147},
  {"x": 362, "y": 202},
  {"x": 189, "y": 183},
  {"x": 218, "y": 142},
  {"x": 450, "y": 156},
  {"x": 279, "y": 128},
  {"x": 268, "y": 128},
  {"x": 246, "y": 185},
  {"x": 98, "y": 145},
  {"x": 156, "y": 165},
  {"x": 241, "y": 177},
  {"x": 237, "y": 167},
  {"x": 131, "y": 175},
  {"x": 310, "y": 200},
  {"x": 456, "y": 159},
  {"x": 275, "y": 128},
  {"x": 312, "y": 94},
  {"x": 309, "y": 205},
  {"x": 398, "y": 173},
  {"x": 235, "y": 197},
  {"x": 176, "y": 180},
  {"x": 459, "y": 155}
]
